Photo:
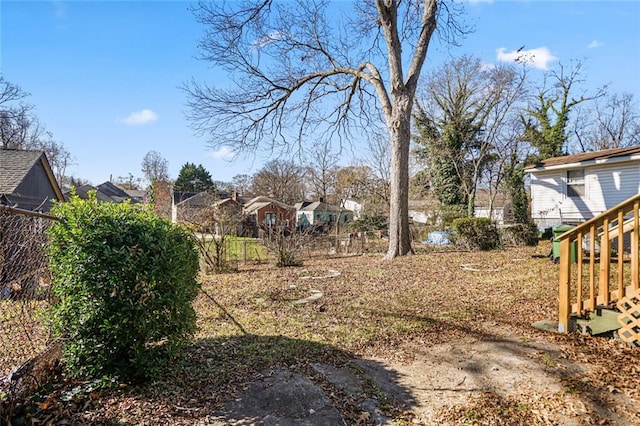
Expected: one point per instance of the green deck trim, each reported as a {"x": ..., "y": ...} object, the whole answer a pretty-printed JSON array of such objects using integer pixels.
[{"x": 605, "y": 323}]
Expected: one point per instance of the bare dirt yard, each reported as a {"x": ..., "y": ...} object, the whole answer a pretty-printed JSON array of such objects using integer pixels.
[{"x": 435, "y": 338}]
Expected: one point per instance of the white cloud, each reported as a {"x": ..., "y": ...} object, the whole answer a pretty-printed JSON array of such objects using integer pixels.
[
  {"x": 224, "y": 153},
  {"x": 138, "y": 118},
  {"x": 594, "y": 44},
  {"x": 538, "y": 58},
  {"x": 485, "y": 66}
]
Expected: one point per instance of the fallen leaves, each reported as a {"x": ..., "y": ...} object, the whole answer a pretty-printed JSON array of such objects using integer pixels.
[{"x": 372, "y": 308}]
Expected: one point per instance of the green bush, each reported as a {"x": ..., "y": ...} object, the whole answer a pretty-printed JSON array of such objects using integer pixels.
[
  {"x": 446, "y": 214},
  {"x": 368, "y": 223},
  {"x": 521, "y": 234},
  {"x": 476, "y": 233},
  {"x": 125, "y": 280}
]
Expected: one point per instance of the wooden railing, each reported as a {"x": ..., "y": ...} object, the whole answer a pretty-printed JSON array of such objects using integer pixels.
[{"x": 605, "y": 270}]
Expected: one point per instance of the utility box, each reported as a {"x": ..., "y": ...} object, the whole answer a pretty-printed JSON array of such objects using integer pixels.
[{"x": 557, "y": 231}]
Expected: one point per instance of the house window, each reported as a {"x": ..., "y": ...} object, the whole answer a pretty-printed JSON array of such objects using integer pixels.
[
  {"x": 575, "y": 183},
  {"x": 270, "y": 219}
]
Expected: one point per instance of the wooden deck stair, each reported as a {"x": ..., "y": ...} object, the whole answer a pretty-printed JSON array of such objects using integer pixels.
[{"x": 600, "y": 278}]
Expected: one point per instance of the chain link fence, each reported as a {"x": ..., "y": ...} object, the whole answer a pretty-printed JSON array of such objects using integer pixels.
[
  {"x": 346, "y": 244},
  {"x": 24, "y": 290}
]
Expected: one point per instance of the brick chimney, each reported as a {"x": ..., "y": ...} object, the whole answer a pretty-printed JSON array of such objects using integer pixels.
[{"x": 163, "y": 199}]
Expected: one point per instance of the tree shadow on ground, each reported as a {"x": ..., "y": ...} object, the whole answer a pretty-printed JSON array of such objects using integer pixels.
[
  {"x": 245, "y": 379},
  {"x": 251, "y": 379},
  {"x": 502, "y": 361}
]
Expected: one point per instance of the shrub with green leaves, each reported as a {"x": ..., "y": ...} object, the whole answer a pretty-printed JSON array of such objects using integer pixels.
[
  {"x": 125, "y": 280},
  {"x": 476, "y": 233},
  {"x": 368, "y": 223},
  {"x": 521, "y": 234}
]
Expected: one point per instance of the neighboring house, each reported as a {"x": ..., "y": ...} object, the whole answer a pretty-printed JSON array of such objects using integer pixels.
[
  {"x": 575, "y": 188},
  {"x": 26, "y": 180},
  {"x": 230, "y": 217},
  {"x": 117, "y": 194},
  {"x": 495, "y": 206},
  {"x": 353, "y": 205},
  {"x": 428, "y": 211},
  {"x": 138, "y": 195},
  {"x": 183, "y": 202},
  {"x": 207, "y": 209},
  {"x": 320, "y": 213},
  {"x": 264, "y": 213},
  {"x": 178, "y": 197},
  {"x": 83, "y": 193},
  {"x": 108, "y": 193},
  {"x": 423, "y": 211}
]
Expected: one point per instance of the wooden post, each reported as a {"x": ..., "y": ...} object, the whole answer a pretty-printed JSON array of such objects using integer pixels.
[
  {"x": 592, "y": 268},
  {"x": 635, "y": 243},
  {"x": 579, "y": 272},
  {"x": 565, "y": 286},
  {"x": 605, "y": 263},
  {"x": 621, "y": 284}
]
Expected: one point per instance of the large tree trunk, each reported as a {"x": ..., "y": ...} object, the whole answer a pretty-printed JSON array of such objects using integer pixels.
[{"x": 400, "y": 134}]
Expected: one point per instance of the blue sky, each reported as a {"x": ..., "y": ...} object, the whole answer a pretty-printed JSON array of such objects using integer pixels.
[{"x": 105, "y": 76}]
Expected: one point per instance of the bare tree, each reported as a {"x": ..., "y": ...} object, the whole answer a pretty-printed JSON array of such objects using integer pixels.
[
  {"x": 129, "y": 182},
  {"x": 614, "y": 122},
  {"x": 59, "y": 159},
  {"x": 15, "y": 115},
  {"x": 242, "y": 183},
  {"x": 353, "y": 182},
  {"x": 282, "y": 180},
  {"x": 21, "y": 129},
  {"x": 213, "y": 224},
  {"x": 155, "y": 167},
  {"x": 320, "y": 172},
  {"x": 547, "y": 120},
  {"x": 378, "y": 159},
  {"x": 300, "y": 69}
]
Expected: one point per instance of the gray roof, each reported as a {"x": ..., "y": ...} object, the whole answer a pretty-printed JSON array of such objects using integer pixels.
[
  {"x": 201, "y": 199},
  {"x": 14, "y": 166},
  {"x": 257, "y": 203},
  {"x": 586, "y": 156},
  {"x": 138, "y": 194},
  {"x": 83, "y": 192},
  {"x": 113, "y": 191},
  {"x": 321, "y": 207}
]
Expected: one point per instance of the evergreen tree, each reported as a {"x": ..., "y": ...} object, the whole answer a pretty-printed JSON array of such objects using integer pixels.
[{"x": 193, "y": 178}]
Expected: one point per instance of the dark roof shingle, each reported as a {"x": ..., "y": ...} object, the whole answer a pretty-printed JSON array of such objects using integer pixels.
[
  {"x": 14, "y": 166},
  {"x": 586, "y": 156}
]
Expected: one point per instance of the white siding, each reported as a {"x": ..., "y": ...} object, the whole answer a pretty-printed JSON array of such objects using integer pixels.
[
  {"x": 497, "y": 214},
  {"x": 612, "y": 185},
  {"x": 605, "y": 186},
  {"x": 354, "y": 206},
  {"x": 547, "y": 189},
  {"x": 419, "y": 216}
]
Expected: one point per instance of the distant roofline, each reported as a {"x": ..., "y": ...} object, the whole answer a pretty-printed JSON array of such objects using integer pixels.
[{"x": 587, "y": 158}]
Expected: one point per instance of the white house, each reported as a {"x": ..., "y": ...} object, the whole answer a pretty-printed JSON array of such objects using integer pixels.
[
  {"x": 353, "y": 205},
  {"x": 575, "y": 188},
  {"x": 321, "y": 213},
  {"x": 492, "y": 205}
]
